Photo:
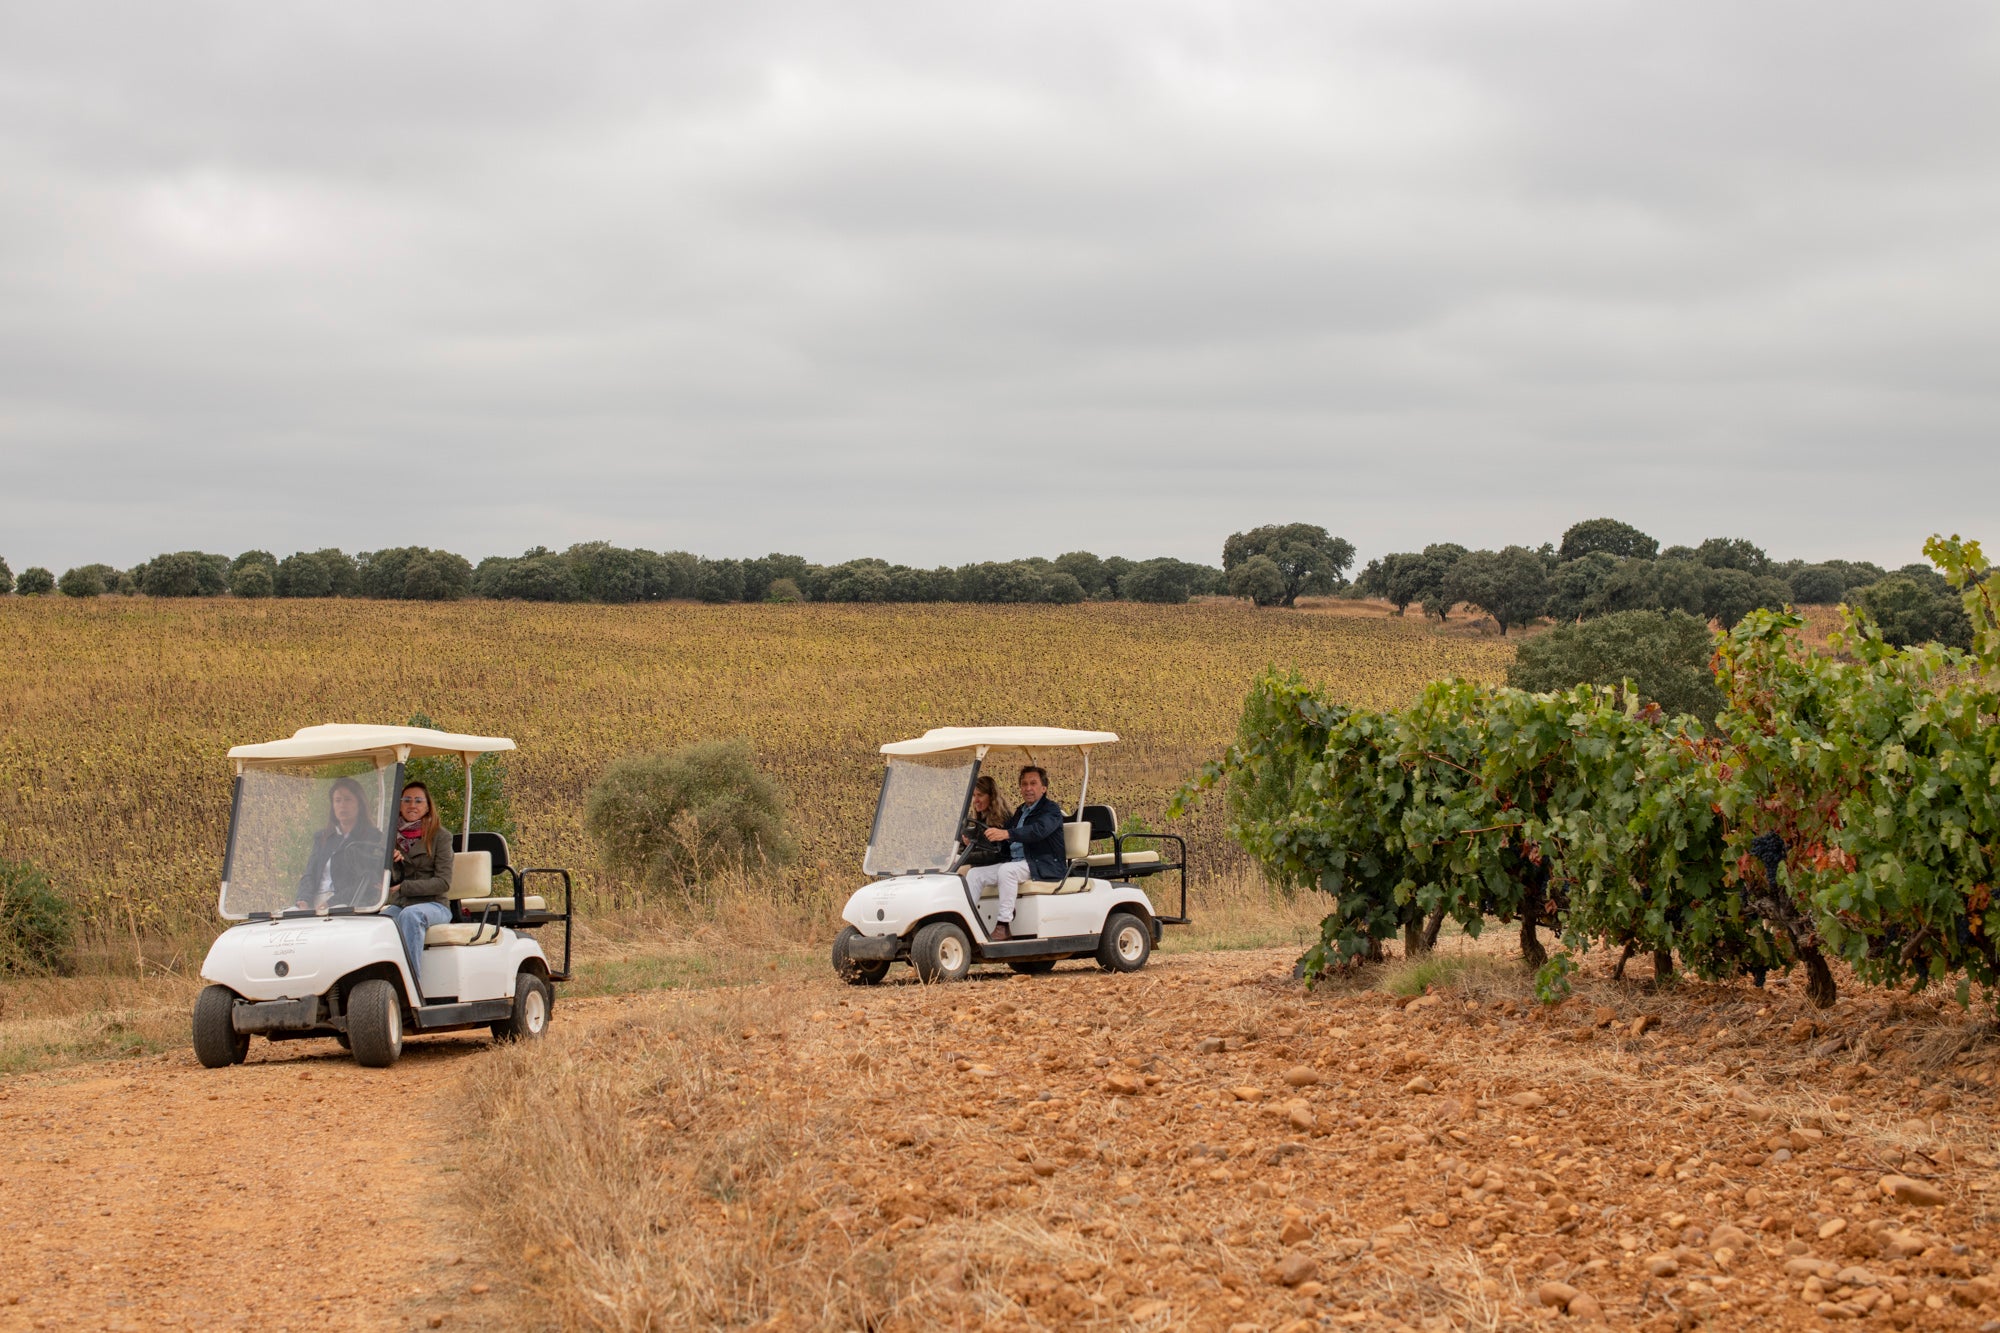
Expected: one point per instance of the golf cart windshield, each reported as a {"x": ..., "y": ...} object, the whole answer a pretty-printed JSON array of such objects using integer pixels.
[
  {"x": 311, "y": 836},
  {"x": 918, "y": 816}
]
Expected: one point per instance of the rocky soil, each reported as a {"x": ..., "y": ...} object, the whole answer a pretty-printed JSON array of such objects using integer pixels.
[{"x": 1201, "y": 1145}]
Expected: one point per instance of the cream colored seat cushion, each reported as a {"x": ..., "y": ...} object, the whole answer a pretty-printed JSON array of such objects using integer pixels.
[
  {"x": 1131, "y": 858},
  {"x": 1028, "y": 890},
  {"x": 471, "y": 875},
  {"x": 461, "y": 932},
  {"x": 534, "y": 902}
]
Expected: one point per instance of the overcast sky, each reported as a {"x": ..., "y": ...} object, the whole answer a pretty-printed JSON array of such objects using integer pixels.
[{"x": 942, "y": 281}]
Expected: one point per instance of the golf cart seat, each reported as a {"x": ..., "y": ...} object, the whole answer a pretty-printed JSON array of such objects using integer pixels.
[
  {"x": 471, "y": 877},
  {"x": 494, "y": 847},
  {"x": 1036, "y": 888},
  {"x": 1123, "y": 862},
  {"x": 461, "y": 932}
]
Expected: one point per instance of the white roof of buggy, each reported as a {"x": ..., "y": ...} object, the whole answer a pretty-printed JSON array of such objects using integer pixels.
[
  {"x": 943, "y": 740},
  {"x": 346, "y": 740}
]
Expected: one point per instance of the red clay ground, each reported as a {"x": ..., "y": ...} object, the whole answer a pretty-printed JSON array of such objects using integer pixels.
[{"x": 1201, "y": 1145}]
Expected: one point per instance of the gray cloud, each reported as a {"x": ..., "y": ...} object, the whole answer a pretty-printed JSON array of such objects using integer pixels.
[{"x": 776, "y": 275}]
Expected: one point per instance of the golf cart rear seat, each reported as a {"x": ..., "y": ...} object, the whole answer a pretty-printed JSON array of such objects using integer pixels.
[
  {"x": 494, "y": 847},
  {"x": 1123, "y": 862}
]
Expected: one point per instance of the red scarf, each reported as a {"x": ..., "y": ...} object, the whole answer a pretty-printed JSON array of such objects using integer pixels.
[{"x": 411, "y": 836}]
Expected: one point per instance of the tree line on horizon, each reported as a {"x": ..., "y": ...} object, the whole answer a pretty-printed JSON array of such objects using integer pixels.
[
  {"x": 604, "y": 573},
  {"x": 1601, "y": 567}
]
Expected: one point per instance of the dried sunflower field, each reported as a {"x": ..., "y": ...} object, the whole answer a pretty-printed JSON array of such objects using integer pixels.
[{"x": 115, "y": 713}]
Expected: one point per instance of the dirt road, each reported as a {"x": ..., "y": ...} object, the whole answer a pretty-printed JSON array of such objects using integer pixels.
[
  {"x": 1201, "y": 1146},
  {"x": 296, "y": 1191}
]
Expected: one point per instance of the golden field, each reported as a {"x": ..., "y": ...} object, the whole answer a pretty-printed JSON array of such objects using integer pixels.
[{"x": 115, "y": 713}]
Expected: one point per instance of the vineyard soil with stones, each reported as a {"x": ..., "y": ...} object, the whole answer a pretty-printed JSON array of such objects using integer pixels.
[{"x": 1209, "y": 1145}]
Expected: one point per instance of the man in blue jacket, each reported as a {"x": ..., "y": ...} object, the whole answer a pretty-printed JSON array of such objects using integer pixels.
[{"x": 1035, "y": 835}]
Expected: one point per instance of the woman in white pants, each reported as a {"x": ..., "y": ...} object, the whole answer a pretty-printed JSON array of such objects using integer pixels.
[{"x": 989, "y": 863}]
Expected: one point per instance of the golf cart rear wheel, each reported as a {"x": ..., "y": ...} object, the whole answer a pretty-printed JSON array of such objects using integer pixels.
[
  {"x": 530, "y": 1018},
  {"x": 941, "y": 951},
  {"x": 1126, "y": 944},
  {"x": 375, "y": 1023},
  {"x": 216, "y": 1040},
  {"x": 855, "y": 971},
  {"x": 1034, "y": 967}
]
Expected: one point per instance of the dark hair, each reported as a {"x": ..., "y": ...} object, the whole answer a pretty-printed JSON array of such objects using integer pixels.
[
  {"x": 997, "y": 813},
  {"x": 360, "y": 801},
  {"x": 1037, "y": 770},
  {"x": 429, "y": 823}
]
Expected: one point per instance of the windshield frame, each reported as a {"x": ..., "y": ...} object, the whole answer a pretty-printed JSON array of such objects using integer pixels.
[{"x": 246, "y": 773}]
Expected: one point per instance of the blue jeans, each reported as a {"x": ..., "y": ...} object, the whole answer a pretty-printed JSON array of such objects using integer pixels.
[{"x": 411, "y": 923}]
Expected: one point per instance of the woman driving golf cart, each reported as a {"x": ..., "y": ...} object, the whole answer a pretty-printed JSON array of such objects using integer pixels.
[{"x": 346, "y": 855}]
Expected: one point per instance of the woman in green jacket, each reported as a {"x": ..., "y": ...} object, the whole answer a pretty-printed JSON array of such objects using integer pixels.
[{"x": 420, "y": 875}]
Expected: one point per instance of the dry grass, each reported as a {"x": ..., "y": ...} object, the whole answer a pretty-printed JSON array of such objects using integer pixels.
[{"x": 799, "y": 1155}]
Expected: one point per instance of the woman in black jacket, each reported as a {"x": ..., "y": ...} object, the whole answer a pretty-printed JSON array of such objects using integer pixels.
[{"x": 346, "y": 859}]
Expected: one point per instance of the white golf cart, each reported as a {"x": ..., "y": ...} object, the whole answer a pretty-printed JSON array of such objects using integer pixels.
[
  {"x": 313, "y": 955},
  {"x": 920, "y": 910}
]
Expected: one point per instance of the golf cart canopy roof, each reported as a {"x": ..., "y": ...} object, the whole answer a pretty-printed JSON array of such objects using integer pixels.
[
  {"x": 344, "y": 740},
  {"x": 944, "y": 740}
]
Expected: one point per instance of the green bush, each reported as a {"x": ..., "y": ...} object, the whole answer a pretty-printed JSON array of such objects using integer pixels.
[
  {"x": 1259, "y": 579},
  {"x": 325, "y": 573},
  {"x": 1664, "y": 654},
  {"x": 83, "y": 581},
  {"x": 6, "y": 578},
  {"x": 184, "y": 574},
  {"x": 414, "y": 573},
  {"x": 1910, "y": 607},
  {"x": 35, "y": 582},
  {"x": 443, "y": 775},
  {"x": 36, "y": 929},
  {"x": 253, "y": 580},
  {"x": 670, "y": 820}
]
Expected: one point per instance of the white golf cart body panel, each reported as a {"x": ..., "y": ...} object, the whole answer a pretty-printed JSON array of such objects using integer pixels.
[
  {"x": 317, "y": 951},
  {"x": 895, "y": 906}
]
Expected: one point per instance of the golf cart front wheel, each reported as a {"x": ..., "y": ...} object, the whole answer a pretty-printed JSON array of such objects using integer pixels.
[
  {"x": 530, "y": 1018},
  {"x": 216, "y": 1040},
  {"x": 855, "y": 971},
  {"x": 375, "y": 1023},
  {"x": 1126, "y": 944},
  {"x": 941, "y": 951}
]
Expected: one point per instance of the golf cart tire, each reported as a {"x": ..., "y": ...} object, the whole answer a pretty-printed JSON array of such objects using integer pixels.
[
  {"x": 1126, "y": 944},
  {"x": 941, "y": 952},
  {"x": 375, "y": 1023},
  {"x": 217, "y": 1043},
  {"x": 1033, "y": 967},
  {"x": 530, "y": 1018},
  {"x": 855, "y": 971}
]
